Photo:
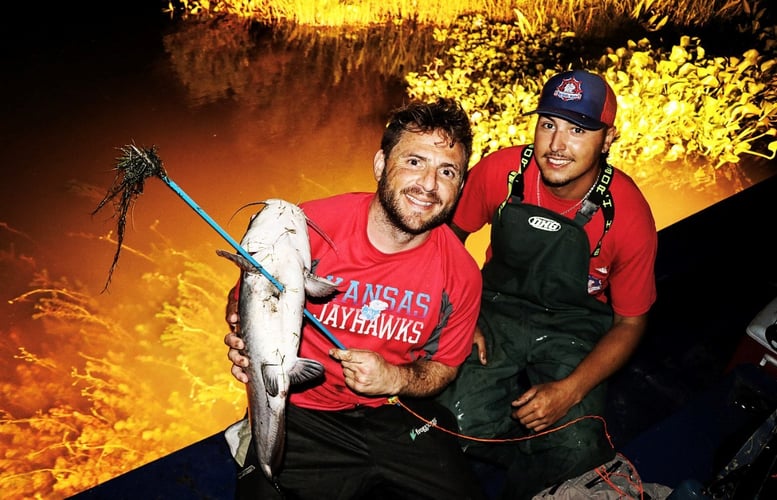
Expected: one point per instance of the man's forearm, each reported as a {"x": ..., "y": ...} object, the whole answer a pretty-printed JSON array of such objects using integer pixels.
[
  {"x": 424, "y": 378},
  {"x": 609, "y": 355}
]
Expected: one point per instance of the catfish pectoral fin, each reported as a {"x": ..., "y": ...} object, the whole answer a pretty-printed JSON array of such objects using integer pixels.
[
  {"x": 270, "y": 379},
  {"x": 239, "y": 260},
  {"x": 316, "y": 286},
  {"x": 227, "y": 255},
  {"x": 305, "y": 369}
]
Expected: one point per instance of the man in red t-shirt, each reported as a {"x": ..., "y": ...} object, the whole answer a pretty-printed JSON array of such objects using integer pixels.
[
  {"x": 567, "y": 285},
  {"x": 409, "y": 295}
]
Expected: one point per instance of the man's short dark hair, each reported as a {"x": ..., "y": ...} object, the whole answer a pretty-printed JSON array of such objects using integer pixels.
[{"x": 445, "y": 115}]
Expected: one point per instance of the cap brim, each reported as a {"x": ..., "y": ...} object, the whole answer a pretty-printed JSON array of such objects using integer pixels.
[{"x": 583, "y": 121}]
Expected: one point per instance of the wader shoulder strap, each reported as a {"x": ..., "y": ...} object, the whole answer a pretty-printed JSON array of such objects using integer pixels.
[
  {"x": 600, "y": 197},
  {"x": 515, "y": 179}
]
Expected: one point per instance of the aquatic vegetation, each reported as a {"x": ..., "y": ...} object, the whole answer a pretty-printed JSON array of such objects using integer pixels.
[
  {"x": 226, "y": 58},
  {"x": 680, "y": 109},
  {"x": 75, "y": 413},
  {"x": 532, "y": 14},
  {"x": 340, "y": 13},
  {"x": 686, "y": 116}
]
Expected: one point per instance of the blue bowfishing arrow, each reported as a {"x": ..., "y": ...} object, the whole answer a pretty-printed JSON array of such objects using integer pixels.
[{"x": 134, "y": 167}]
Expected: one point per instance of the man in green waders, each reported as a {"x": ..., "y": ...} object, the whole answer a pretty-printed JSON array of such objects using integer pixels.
[{"x": 567, "y": 285}]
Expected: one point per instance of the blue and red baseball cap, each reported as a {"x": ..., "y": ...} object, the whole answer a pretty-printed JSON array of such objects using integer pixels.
[{"x": 580, "y": 97}]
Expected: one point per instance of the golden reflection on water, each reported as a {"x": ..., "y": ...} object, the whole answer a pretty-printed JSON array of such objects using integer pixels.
[{"x": 94, "y": 385}]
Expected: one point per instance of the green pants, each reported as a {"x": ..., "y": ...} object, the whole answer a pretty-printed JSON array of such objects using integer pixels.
[{"x": 525, "y": 347}]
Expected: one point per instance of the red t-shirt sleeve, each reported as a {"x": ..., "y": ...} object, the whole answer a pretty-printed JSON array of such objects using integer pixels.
[
  {"x": 632, "y": 278},
  {"x": 464, "y": 287}
]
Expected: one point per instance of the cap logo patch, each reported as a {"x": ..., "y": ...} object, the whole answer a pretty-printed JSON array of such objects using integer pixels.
[{"x": 569, "y": 90}]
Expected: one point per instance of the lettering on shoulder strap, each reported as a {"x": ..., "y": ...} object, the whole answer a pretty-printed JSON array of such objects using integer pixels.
[
  {"x": 515, "y": 180},
  {"x": 600, "y": 197}
]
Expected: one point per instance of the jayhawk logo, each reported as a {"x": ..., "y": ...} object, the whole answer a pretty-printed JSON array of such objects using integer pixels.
[
  {"x": 372, "y": 310},
  {"x": 569, "y": 89}
]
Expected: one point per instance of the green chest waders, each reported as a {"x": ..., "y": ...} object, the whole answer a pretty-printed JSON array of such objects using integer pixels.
[{"x": 539, "y": 322}]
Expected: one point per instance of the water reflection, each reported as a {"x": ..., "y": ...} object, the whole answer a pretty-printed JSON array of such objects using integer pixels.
[
  {"x": 96, "y": 384},
  {"x": 252, "y": 64}
]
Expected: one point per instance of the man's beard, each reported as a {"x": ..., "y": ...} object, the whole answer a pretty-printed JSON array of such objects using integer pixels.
[{"x": 390, "y": 203}]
